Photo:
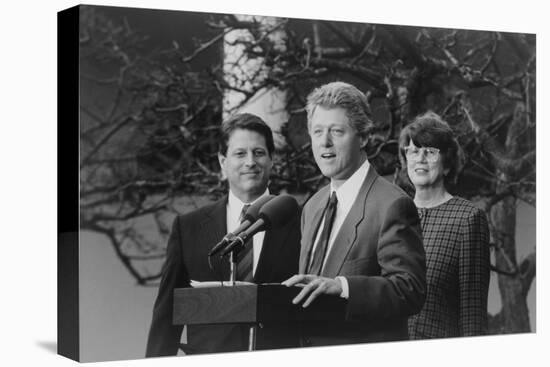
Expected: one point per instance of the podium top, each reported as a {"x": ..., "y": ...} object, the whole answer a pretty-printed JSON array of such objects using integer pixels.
[{"x": 254, "y": 303}]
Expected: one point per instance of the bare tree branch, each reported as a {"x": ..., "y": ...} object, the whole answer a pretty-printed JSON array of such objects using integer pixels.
[
  {"x": 205, "y": 46},
  {"x": 106, "y": 137}
]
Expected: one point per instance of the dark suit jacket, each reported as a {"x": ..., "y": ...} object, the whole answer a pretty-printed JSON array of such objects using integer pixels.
[
  {"x": 379, "y": 251},
  {"x": 191, "y": 238}
]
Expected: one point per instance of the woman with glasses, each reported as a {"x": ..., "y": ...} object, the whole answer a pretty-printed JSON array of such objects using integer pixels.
[{"x": 456, "y": 235}]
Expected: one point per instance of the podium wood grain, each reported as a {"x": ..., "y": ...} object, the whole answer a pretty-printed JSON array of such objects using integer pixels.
[{"x": 250, "y": 304}]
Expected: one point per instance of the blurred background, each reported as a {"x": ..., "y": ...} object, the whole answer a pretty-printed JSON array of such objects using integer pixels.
[{"x": 156, "y": 85}]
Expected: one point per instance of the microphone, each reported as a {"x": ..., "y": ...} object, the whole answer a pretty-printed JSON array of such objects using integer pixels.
[
  {"x": 250, "y": 217},
  {"x": 276, "y": 213}
]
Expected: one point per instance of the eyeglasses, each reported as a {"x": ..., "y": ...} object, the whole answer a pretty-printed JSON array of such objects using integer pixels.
[{"x": 431, "y": 154}]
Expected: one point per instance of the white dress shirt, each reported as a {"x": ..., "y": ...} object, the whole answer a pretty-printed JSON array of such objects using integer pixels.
[
  {"x": 233, "y": 210},
  {"x": 346, "y": 195}
]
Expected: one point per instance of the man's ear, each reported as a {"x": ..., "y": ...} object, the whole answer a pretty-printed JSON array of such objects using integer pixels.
[
  {"x": 221, "y": 160},
  {"x": 363, "y": 140}
]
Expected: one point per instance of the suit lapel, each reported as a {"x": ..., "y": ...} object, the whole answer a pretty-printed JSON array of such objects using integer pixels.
[
  {"x": 215, "y": 222},
  {"x": 310, "y": 229},
  {"x": 347, "y": 235},
  {"x": 214, "y": 228}
]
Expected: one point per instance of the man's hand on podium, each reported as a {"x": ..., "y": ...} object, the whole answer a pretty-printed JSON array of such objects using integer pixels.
[{"x": 313, "y": 285}]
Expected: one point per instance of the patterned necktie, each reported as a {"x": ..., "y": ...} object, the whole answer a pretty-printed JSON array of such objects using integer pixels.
[
  {"x": 245, "y": 257},
  {"x": 321, "y": 250}
]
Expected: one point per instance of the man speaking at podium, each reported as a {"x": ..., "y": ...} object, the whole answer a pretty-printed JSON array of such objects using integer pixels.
[
  {"x": 245, "y": 156},
  {"x": 361, "y": 236}
]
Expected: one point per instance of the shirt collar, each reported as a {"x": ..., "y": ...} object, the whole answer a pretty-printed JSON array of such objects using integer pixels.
[{"x": 347, "y": 192}]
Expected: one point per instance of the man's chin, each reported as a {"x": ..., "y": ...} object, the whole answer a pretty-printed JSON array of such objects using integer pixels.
[
  {"x": 254, "y": 187},
  {"x": 328, "y": 172}
]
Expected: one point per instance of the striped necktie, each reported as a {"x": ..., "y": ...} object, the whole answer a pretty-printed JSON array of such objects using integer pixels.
[
  {"x": 245, "y": 257},
  {"x": 321, "y": 250}
]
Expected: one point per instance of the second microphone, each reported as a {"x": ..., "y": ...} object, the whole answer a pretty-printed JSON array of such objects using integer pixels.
[{"x": 273, "y": 214}]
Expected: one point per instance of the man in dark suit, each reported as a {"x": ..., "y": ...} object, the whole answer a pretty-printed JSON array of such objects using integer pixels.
[
  {"x": 245, "y": 158},
  {"x": 361, "y": 236}
]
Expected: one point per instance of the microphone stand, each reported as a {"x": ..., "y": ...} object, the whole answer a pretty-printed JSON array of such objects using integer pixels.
[
  {"x": 232, "y": 269},
  {"x": 233, "y": 262},
  {"x": 233, "y": 282}
]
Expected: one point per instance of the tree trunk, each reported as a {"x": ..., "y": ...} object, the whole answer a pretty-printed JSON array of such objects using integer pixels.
[{"x": 514, "y": 313}]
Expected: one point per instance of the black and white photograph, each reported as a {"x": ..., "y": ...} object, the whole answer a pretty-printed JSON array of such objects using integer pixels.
[{"x": 241, "y": 184}]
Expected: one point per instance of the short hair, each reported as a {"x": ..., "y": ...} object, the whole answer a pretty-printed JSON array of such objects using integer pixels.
[
  {"x": 430, "y": 130},
  {"x": 245, "y": 121},
  {"x": 345, "y": 96}
]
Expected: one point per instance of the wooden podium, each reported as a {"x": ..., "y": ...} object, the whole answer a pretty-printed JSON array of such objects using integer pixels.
[{"x": 251, "y": 304}]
